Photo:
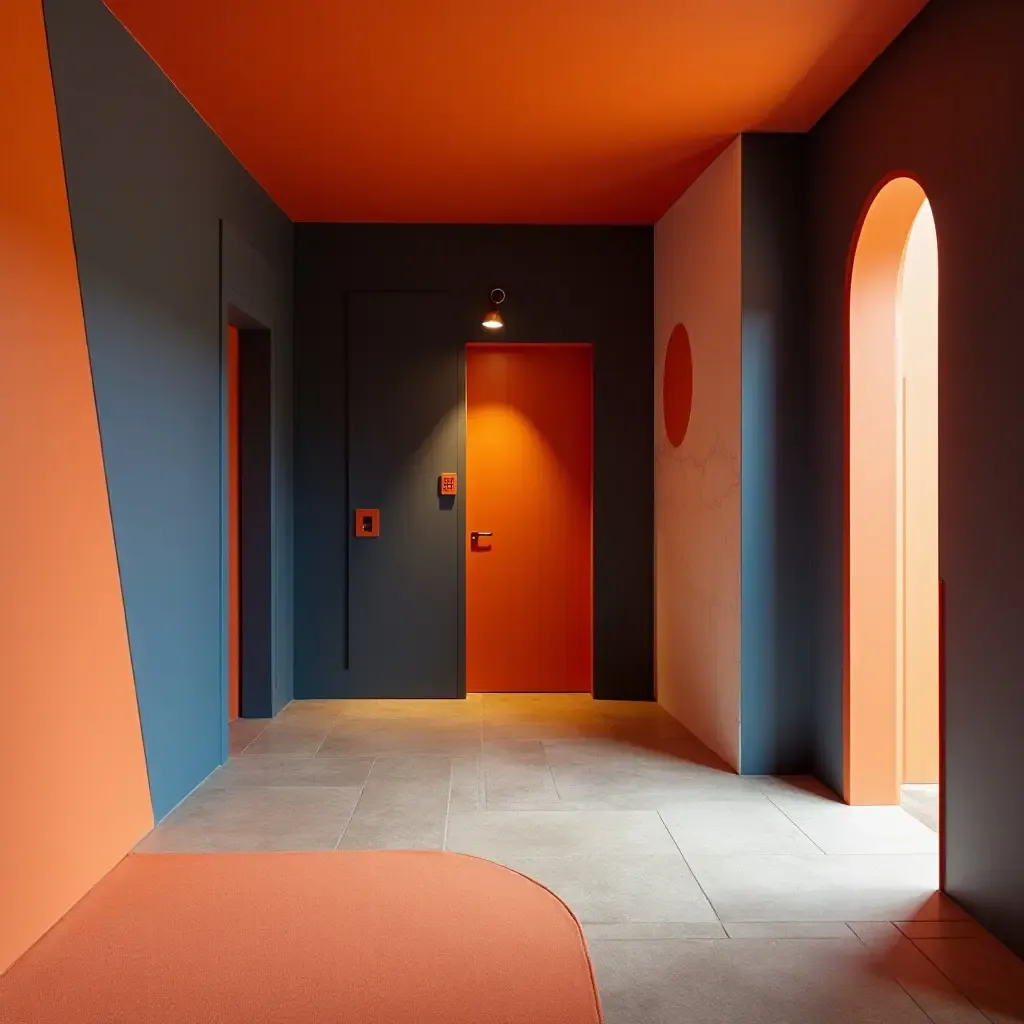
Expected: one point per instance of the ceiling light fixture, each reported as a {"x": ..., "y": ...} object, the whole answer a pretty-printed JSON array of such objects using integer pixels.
[{"x": 493, "y": 321}]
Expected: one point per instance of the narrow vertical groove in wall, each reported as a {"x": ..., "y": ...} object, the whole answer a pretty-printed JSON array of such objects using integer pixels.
[
  {"x": 460, "y": 515},
  {"x": 347, "y": 448},
  {"x": 225, "y": 612}
]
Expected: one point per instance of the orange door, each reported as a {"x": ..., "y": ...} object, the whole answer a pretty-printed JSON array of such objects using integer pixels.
[{"x": 529, "y": 484}]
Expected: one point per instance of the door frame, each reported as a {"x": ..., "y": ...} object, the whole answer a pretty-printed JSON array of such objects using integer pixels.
[
  {"x": 485, "y": 343},
  {"x": 255, "y": 696}
]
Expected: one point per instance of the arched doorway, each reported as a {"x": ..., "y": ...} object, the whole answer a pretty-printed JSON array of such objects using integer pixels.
[{"x": 891, "y": 679}]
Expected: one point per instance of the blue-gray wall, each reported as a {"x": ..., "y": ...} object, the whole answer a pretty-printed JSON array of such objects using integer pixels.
[
  {"x": 942, "y": 103},
  {"x": 149, "y": 187},
  {"x": 776, "y": 500}
]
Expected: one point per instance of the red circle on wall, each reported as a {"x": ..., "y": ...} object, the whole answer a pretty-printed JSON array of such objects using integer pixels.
[{"x": 677, "y": 385}]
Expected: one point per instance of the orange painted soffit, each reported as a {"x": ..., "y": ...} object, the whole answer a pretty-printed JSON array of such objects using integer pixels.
[{"x": 543, "y": 111}]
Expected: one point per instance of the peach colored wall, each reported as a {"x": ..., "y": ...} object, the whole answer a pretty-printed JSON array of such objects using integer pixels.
[
  {"x": 697, "y": 275},
  {"x": 74, "y": 796},
  {"x": 918, "y": 334},
  {"x": 872, "y": 704}
]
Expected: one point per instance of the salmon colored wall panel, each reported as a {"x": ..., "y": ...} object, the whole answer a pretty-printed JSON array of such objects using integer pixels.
[
  {"x": 918, "y": 330},
  {"x": 234, "y": 591},
  {"x": 873, "y": 707},
  {"x": 529, "y": 480},
  {"x": 74, "y": 796},
  {"x": 697, "y": 270}
]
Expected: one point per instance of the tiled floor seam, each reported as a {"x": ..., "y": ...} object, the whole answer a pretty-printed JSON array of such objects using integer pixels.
[
  {"x": 352, "y": 813},
  {"x": 551, "y": 772},
  {"x": 252, "y": 740},
  {"x": 693, "y": 873},
  {"x": 850, "y": 934},
  {"x": 911, "y": 996},
  {"x": 796, "y": 824},
  {"x": 726, "y": 935},
  {"x": 448, "y": 808},
  {"x": 956, "y": 988},
  {"x": 330, "y": 729}
]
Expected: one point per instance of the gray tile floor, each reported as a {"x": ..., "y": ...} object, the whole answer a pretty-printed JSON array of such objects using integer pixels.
[{"x": 705, "y": 897}]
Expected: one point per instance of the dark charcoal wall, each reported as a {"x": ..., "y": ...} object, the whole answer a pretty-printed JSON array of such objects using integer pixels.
[
  {"x": 149, "y": 187},
  {"x": 383, "y": 314},
  {"x": 943, "y": 103},
  {"x": 777, "y": 601}
]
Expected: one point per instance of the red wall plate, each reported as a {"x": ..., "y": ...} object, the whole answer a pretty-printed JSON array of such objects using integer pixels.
[{"x": 367, "y": 522}]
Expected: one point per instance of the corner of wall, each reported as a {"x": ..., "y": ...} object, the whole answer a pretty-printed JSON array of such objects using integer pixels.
[
  {"x": 778, "y": 617},
  {"x": 148, "y": 185},
  {"x": 697, "y": 484}
]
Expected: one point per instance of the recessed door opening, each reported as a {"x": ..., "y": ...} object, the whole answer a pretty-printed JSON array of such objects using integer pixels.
[
  {"x": 892, "y": 700},
  {"x": 529, "y": 519},
  {"x": 234, "y": 650},
  {"x": 247, "y": 368}
]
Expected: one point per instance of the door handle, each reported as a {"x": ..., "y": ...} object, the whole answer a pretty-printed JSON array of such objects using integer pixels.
[{"x": 477, "y": 534}]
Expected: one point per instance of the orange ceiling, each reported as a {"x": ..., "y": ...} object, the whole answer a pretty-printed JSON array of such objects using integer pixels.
[{"x": 524, "y": 111}]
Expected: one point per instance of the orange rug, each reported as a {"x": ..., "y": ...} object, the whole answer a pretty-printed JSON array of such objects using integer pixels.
[{"x": 296, "y": 938}]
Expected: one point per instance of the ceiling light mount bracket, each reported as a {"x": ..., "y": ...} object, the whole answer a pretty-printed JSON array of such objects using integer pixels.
[{"x": 493, "y": 320}]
